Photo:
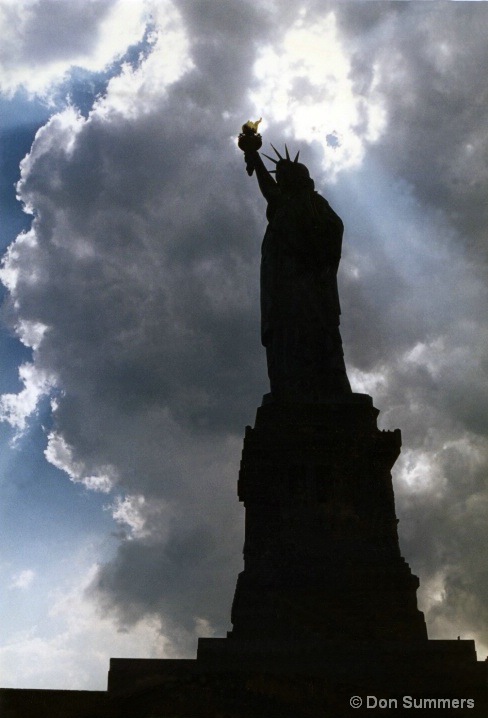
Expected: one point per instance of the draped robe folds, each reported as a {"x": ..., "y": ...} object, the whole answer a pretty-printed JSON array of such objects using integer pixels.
[{"x": 300, "y": 307}]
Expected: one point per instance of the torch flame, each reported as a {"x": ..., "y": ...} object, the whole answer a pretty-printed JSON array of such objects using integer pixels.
[{"x": 253, "y": 126}]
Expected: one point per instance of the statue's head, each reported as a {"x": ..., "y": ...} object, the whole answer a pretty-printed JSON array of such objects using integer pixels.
[{"x": 290, "y": 174}]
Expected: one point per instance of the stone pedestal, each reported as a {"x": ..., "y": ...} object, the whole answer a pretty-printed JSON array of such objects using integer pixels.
[{"x": 321, "y": 552}]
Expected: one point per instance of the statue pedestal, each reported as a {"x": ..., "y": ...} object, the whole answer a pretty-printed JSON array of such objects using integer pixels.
[{"x": 321, "y": 552}]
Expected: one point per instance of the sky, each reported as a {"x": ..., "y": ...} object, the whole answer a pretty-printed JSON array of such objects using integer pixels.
[{"x": 129, "y": 337}]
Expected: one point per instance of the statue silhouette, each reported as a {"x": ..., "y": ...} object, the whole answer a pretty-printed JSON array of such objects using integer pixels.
[{"x": 300, "y": 307}]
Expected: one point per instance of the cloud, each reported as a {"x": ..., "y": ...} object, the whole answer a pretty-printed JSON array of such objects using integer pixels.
[
  {"x": 135, "y": 90},
  {"x": 144, "y": 282},
  {"x": 305, "y": 81},
  {"x": 23, "y": 580},
  {"x": 142, "y": 264},
  {"x": 55, "y": 36},
  {"x": 17, "y": 408},
  {"x": 430, "y": 72},
  {"x": 140, "y": 517},
  {"x": 60, "y": 454}
]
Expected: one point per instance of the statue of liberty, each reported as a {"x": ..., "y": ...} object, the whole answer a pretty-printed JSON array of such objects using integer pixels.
[{"x": 300, "y": 307}]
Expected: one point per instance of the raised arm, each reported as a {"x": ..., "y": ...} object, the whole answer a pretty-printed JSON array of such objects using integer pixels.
[{"x": 267, "y": 184}]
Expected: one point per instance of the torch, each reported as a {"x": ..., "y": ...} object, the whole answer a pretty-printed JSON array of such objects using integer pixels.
[{"x": 249, "y": 140}]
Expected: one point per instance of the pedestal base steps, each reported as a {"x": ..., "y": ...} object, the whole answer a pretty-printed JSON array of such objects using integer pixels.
[
  {"x": 233, "y": 678},
  {"x": 278, "y": 679}
]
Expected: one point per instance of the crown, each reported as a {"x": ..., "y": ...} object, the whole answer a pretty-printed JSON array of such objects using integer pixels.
[{"x": 281, "y": 159}]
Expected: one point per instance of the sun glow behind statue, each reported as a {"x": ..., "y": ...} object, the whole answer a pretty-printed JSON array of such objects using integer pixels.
[{"x": 306, "y": 81}]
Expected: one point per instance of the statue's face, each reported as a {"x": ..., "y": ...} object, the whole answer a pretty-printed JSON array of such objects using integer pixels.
[
  {"x": 279, "y": 176},
  {"x": 284, "y": 177},
  {"x": 290, "y": 176}
]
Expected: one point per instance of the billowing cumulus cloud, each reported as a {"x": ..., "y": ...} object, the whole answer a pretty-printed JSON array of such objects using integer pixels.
[
  {"x": 137, "y": 285},
  {"x": 43, "y": 39}
]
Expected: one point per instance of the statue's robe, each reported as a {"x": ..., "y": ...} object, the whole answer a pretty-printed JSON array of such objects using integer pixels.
[{"x": 300, "y": 307}]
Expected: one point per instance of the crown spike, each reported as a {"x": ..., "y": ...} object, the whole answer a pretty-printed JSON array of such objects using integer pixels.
[
  {"x": 270, "y": 158},
  {"x": 276, "y": 151},
  {"x": 296, "y": 158},
  {"x": 287, "y": 153}
]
